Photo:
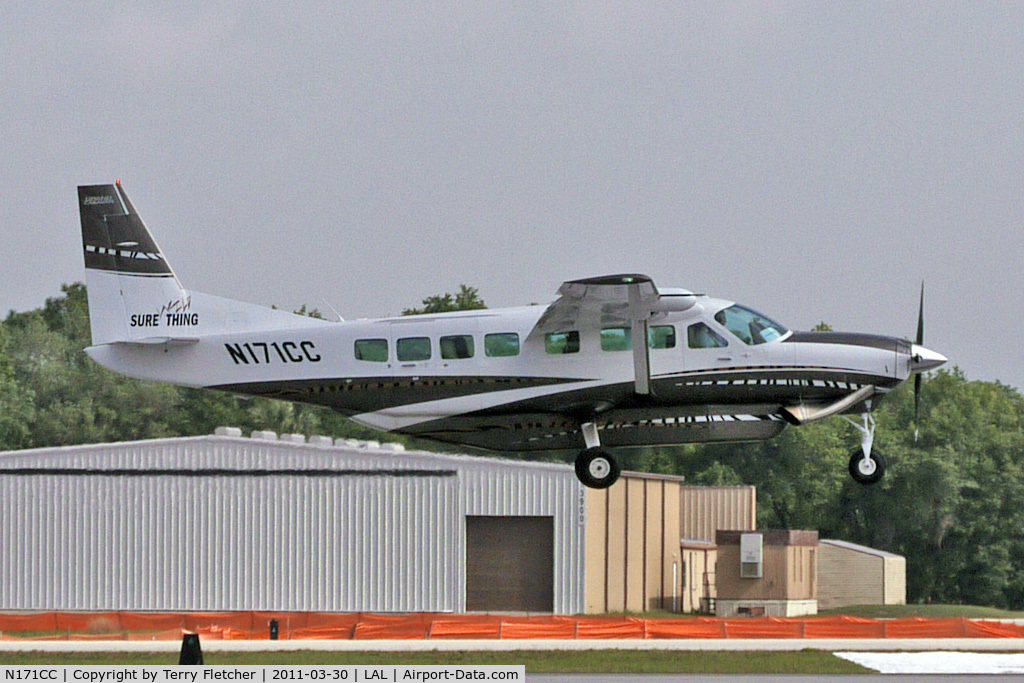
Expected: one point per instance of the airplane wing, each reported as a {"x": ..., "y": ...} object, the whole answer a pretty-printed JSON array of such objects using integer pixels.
[{"x": 625, "y": 300}]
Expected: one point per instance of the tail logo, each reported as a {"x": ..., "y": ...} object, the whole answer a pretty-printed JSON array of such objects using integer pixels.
[
  {"x": 99, "y": 199},
  {"x": 173, "y": 314}
]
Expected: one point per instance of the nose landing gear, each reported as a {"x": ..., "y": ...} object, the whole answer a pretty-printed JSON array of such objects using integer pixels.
[
  {"x": 595, "y": 467},
  {"x": 866, "y": 467}
]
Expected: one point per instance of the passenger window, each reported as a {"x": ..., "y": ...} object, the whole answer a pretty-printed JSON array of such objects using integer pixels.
[
  {"x": 413, "y": 348},
  {"x": 501, "y": 344},
  {"x": 616, "y": 339},
  {"x": 375, "y": 350},
  {"x": 661, "y": 337},
  {"x": 700, "y": 336},
  {"x": 457, "y": 346},
  {"x": 562, "y": 342}
]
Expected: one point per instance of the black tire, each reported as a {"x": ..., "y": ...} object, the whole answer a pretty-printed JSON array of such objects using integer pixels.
[
  {"x": 596, "y": 468},
  {"x": 867, "y": 475}
]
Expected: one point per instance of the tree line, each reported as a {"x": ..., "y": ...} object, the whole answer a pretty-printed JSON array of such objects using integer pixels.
[{"x": 951, "y": 502}]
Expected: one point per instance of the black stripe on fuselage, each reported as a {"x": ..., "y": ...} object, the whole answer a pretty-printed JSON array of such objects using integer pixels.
[
  {"x": 873, "y": 341},
  {"x": 776, "y": 385},
  {"x": 368, "y": 394}
]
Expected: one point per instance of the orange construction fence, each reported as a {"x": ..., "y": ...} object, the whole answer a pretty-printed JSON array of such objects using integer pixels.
[{"x": 419, "y": 626}]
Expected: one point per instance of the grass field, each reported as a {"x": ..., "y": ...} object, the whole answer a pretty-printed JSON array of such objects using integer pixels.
[
  {"x": 597, "y": 661},
  {"x": 871, "y": 612},
  {"x": 932, "y": 611}
]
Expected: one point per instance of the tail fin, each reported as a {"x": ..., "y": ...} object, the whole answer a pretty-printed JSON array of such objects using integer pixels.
[
  {"x": 135, "y": 297},
  {"x": 130, "y": 284}
]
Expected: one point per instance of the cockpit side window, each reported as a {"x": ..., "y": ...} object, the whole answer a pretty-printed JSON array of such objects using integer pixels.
[
  {"x": 750, "y": 326},
  {"x": 700, "y": 336}
]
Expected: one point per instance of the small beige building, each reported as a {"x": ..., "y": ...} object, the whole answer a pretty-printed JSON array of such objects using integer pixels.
[
  {"x": 771, "y": 573},
  {"x": 650, "y": 542},
  {"x": 632, "y": 561},
  {"x": 852, "y": 574}
]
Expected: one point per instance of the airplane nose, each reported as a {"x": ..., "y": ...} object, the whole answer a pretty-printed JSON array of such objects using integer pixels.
[{"x": 922, "y": 359}]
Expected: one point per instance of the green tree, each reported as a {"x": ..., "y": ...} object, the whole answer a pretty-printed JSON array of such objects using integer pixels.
[
  {"x": 17, "y": 404},
  {"x": 311, "y": 312},
  {"x": 466, "y": 299}
]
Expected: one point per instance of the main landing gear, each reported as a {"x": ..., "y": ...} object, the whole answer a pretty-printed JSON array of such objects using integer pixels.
[
  {"x": 866, "y": 467},
  {"x": 596, "y": 468}
]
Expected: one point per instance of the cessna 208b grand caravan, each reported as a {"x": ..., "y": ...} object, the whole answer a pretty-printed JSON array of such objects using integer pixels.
[{"x": 614, "y": 361}]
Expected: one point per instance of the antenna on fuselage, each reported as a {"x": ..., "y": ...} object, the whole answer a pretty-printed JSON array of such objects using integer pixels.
[{"x": 328, "y": 305}]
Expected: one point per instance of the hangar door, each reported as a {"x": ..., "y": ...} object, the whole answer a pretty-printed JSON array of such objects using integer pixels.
[{"x": 510, "y": 564}]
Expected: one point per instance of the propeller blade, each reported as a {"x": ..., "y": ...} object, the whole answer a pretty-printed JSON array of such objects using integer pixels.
[
  {"x": 920, "y": 319},
  {"x": 917, "y": 404},
  {"x": 917, "y": 377}
]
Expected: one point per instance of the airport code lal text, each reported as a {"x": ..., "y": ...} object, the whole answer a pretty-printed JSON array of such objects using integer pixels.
[{"x": 262, "y": 674}]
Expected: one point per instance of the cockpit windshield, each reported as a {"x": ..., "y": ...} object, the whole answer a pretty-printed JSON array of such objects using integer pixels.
[{"x": 750, "y": 326}]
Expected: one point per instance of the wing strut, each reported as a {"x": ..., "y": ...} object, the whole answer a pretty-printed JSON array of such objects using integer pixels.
[
  {"x": 638, "y": 335},
  {"x": 627, "y": 300}
]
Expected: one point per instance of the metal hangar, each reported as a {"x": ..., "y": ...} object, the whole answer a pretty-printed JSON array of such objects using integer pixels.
[{"x": 225, "y": 522}]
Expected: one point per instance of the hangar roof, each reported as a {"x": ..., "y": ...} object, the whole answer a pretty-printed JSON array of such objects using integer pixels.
[
  {"x": 859, "y": 548},
  {"x": 262, "y": 452}
]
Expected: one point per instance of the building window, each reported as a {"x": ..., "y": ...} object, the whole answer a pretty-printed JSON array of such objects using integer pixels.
[{"x": 374, "y": 350}]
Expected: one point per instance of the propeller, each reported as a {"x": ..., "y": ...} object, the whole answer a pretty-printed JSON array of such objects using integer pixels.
[{"x": 917, "y": 377}]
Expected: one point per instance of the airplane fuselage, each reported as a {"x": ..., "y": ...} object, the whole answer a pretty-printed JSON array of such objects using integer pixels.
[{"x": 475, "y": 377}]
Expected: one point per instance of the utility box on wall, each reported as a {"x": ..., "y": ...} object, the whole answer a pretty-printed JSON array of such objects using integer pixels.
[{"x": 751, "y": 566}]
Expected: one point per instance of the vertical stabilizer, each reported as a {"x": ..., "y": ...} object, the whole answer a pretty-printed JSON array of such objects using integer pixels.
[{"x": 131, "y": 286}]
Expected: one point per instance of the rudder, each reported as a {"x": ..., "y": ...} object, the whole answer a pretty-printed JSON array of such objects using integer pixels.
[{"x": 129, "y": 282}]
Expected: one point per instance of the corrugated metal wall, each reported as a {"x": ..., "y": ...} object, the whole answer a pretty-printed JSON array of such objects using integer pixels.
[
  {"x": 705, "y": 510},
  {"x": 158, "y": 525}
]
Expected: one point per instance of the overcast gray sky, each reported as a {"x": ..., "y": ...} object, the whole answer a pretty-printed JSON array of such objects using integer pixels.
[{"x": 815, "y": 161}]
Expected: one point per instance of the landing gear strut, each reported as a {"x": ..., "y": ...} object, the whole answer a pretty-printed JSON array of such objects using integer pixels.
[
  {"x": 595, "y": 467},
  {"x": 866, "y": 467}
]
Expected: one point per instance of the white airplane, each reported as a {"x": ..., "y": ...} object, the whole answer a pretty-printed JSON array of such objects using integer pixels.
[{"x": 570, "y": 375}]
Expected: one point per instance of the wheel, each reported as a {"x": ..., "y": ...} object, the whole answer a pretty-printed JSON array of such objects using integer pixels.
[
  {"x": 596, "y": 469},
  {"x": 869, "y": 471}
]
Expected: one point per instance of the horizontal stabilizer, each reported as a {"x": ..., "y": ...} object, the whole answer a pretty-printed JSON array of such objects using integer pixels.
[{"x": 170, "y": 341}]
